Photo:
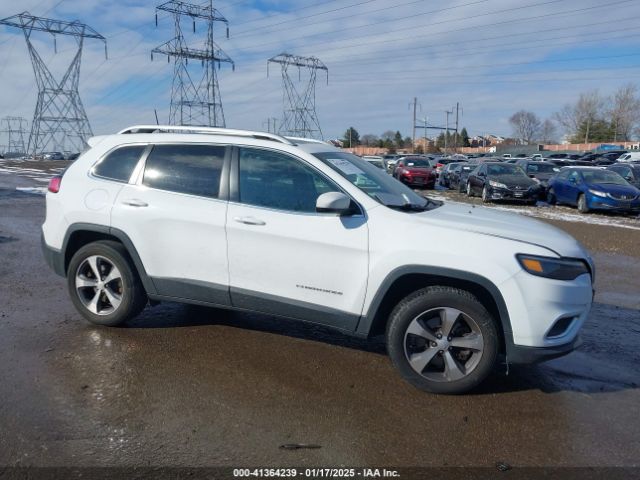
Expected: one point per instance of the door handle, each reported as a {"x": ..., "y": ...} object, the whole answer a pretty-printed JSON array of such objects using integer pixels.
[
  {"x": 134, "y": 202},
  {"x": 249, "y": 221}
]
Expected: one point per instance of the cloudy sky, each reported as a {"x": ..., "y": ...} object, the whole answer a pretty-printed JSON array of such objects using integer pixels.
[{"x": 494, "y": 57}]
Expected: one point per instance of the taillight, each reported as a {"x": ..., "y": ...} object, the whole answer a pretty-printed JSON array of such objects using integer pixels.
[{"x": 54, "y": 184}]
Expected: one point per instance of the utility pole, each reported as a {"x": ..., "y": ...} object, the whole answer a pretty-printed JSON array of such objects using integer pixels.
[
  {"x": 60, "y": 118},
  {"x": 447, "y": 129},
  {"x": 456, "y": 137},
  {"x": 413, "y": 136},
  {"x": 15, "y": 128},
  {"x": 300, "y": 118},
  {"x": 194, "y": 101}
]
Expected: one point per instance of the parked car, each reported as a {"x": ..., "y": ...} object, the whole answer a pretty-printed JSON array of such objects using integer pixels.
[
  {"x": 630, "y": 172},
  {"x": 593, "y": 188},
  {"x": 52, "y": 156},
  {"x": 502, "y": 181},
  {"x": 415, "y": 171},
  {"x": 458, "y": 177},
  {"x": 629, "y": 157},
  {"x": 445, "y": 176},
  {"x": 391, "y": 159},
  {"x": 539, "y": 171},
  {"x": 375, "y": 161},
  {"x": 257, "y": 222}
]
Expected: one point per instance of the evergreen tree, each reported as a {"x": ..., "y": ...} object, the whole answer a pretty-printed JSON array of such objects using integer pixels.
[
  {"x": 351, "y": 138},
  {"x": 464, "y": 137}
]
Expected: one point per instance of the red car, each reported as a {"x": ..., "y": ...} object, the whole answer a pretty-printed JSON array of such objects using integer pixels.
[{"x": 415, "y": 171}]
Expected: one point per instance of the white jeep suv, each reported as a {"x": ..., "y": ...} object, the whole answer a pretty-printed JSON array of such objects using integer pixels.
[{"x": 300, "y": 229}]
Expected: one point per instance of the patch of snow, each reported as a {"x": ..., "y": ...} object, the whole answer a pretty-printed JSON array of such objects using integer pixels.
[{"x": 33, "y": 190}]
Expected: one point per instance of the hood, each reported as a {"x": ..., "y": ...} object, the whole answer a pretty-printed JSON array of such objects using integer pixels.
[
  {"x": 488, "y": 221},
  {"x": 513, "y": 180},
  {"x": 615, "y": 189}
]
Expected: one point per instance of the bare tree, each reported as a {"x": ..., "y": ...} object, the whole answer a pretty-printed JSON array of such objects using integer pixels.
[
  {"x": 580, "y": 116},
  {"x": 369, "y": 140},
  {"x": 624, "y": 112},
  {"x": 548, "y": 131},
  {"x": 526, "y": 125},
  {"x": 388, "y": 135}
]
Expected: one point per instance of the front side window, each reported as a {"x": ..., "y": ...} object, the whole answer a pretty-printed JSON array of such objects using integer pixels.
[
  {"x": 275, "y": 180},
  {"x": 118, "y": 165},
  {"x": 190, "y": 169}
]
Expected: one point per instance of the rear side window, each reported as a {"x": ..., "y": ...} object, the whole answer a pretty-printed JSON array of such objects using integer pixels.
[
  {"x": 190, "y": 169},
  {"x": 119, "y": 164}
]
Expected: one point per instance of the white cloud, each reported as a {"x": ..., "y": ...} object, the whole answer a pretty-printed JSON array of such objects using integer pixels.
[{"x": 378, "y": 60}]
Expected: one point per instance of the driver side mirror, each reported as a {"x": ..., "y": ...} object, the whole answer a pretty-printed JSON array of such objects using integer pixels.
[{"x": 334, "y": 202}]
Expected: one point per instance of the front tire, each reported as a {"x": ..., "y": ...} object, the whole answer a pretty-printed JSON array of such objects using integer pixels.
[
  {"x": 582, "y": 204},
  {"x": 485, "y": 195},
  {"x": 103, "y": 284},
  {"x": 469, "y": 190},
  {"x": 442, "y": 340},
  {"x": 551, "y": 197}
]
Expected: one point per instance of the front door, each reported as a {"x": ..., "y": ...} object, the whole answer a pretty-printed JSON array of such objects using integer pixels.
[{"x": 284, "y": 257}]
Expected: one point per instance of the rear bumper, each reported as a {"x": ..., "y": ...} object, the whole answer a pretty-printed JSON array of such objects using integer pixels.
[
  {"x": 525, "y": 355},
  {"x": 53, "y": 257}
]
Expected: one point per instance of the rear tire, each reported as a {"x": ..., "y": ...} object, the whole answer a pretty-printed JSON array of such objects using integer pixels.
[
  {"x": 103, "y": 284},
  {"x": 582, "y": 204},
  {"x": 551, "y": 197},
  {"x": 442, "y": 340},
  {"x": 469, "y": 190}
]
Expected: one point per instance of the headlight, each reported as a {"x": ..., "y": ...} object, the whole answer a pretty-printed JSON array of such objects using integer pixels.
[
  {"x": 497, "y": 184},
  {"x": 597, "y": 193},
  {"x": 556, "y": 268}
]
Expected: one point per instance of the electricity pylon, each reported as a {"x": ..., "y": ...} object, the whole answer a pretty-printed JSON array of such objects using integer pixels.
[
  {"x": 299, "y": 105},
  {"x": 15, "y": 128},
  {"x": 194, "y": 102},
  {"x": 59, "y": 118}
]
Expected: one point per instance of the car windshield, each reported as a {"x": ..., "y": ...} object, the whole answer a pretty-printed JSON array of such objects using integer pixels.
[
  {"x": 375, "y": 182},
  {"x": 376, "y": 163},
  {"x": 603, "y": 176},
  {"x": 504, "y": 169},
  {"x": 541, "y": 168}
]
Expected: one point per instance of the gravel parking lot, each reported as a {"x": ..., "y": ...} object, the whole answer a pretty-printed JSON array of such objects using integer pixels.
[{"x": 187, "y": 386}]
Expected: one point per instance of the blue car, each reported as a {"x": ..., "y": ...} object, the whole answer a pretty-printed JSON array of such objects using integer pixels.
[{"x": 591, "y": 188}]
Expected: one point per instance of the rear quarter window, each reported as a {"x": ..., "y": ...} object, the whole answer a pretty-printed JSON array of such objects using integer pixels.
[{"x": 118, "y": 165}]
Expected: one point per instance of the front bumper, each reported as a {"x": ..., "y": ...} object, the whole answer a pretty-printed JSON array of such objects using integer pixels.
[
  {"x": 53, "y": 257},
  {"x": 525, "y": 355},
  {"x": 517, "y": 195},
  {"x": 595, "y": 202}
]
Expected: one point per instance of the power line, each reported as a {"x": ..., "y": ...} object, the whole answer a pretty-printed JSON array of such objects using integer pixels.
[{"x": 466, "y": 28}]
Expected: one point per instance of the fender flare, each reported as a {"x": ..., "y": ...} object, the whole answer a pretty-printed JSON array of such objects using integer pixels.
[
  {"x": 123, "y": 238},
  {"x": 366, "y": 322}
]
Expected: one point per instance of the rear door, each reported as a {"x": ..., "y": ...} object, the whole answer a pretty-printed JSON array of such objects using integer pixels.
[
  {"x": 175, "y": 213},
  {"x": 284, "y": 257}
]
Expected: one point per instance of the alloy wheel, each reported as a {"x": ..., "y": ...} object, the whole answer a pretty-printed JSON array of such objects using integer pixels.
[
  {"x": 99, "y": 285},
  {"x": 443, "y": 344}
]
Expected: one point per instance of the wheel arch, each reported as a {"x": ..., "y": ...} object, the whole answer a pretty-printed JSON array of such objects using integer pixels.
[
  {"x": 405, "y": 280},
  {"x": 81, "y": 234}
]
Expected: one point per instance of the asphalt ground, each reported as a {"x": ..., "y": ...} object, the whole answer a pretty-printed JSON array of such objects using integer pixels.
[{"x": 191, "y": 386}]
